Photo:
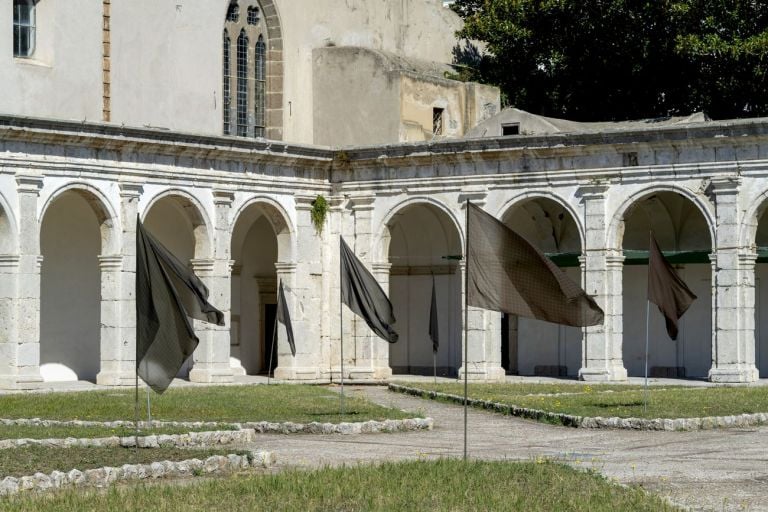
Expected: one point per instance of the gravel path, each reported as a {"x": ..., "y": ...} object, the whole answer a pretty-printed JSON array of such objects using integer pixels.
[{"x": 704, "y": 470}]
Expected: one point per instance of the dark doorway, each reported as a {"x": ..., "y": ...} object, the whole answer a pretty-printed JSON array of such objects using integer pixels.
[{"x": 270, "y": 311}]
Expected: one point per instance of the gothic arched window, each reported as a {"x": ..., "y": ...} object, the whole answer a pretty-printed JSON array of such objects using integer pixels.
[
  {"x": 23, "y": 28},
  {"x": 247, "y": 116}
]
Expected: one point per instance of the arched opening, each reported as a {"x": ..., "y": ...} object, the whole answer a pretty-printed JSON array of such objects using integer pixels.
[
  {"x": 761, "y": 293},
  {"x": 535, "y": 347},
  {"x": 424, "y": 244},
  {"x": 178, "y": 224},
  {"x": 7, "y": 241},
  {"x": 681, "y": 231},
  {"x": 70, "y": 287},
  {"x": 257, "y": 242}
]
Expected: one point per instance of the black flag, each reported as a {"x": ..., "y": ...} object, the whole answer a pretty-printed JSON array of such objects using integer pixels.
[
  {"x": 506, "y": 273},
  {"x": 168, "y": 295},
  {"x": 666, "y": 289},
  {"x": 284, "y": 317},
  {"x": 362, "y": 293},
  {"x": 433, "y": 327}
]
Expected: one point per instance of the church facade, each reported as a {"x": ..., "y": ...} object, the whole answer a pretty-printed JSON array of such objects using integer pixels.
[{"x": 345, "y": 103}]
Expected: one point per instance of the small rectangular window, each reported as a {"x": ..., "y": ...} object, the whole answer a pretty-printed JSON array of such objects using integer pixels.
[
  {"x": 437, "y": 121},
  {"x": 510, "y": 129},
  {"x": 23, "y": 28}
]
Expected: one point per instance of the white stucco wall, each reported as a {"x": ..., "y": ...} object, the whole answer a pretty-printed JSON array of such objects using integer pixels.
[{"x": 63, "y": 77}]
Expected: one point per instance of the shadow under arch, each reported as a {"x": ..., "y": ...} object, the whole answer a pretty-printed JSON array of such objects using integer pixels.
[
  {"x": 187, "y": 207},
  {"x": 77, "y": 225},
  {"x": 682, "y": 226},
  {"x": 534, "y": 347},
  {"x": 262, "y": 238},
  {"x": 423, "y": 242},
  {"x": 9, "y": 240}
]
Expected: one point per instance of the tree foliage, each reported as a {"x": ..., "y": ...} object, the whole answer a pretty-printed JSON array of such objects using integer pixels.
[{"x": 621, "y": 59}]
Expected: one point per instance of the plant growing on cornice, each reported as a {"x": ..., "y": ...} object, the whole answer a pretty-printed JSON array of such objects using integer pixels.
[{"x": 318, "y": 213}]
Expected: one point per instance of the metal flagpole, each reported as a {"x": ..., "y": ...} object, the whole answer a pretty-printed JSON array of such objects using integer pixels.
[
  {"x": 466, "y": 330},
  {"x": 647, "y": 322},
  {"x": 274, "y": 339},
  {"x": 136, "y": 404},
  {"x": 434, "y": 352},
  {"x": 341, "y": 328}
]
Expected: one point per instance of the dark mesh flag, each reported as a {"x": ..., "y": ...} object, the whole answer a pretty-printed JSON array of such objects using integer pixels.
[
  {"x": 168, "y": 295},
  {"x": 666, "y": 289},
  {"x": 284, "y": 317},
  {"x": 362, "y": 293},
  {"x": 434, "y": 333},
  {"x": 508, "y": 274}
]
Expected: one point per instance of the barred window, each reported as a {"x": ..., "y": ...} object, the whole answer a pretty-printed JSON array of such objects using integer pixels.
[
  {"x": 23, "y": 28},
  {"x": 227, "y": 87},
  {"x": 261, "y": 86},
  {"x": 244, "y": 85}
]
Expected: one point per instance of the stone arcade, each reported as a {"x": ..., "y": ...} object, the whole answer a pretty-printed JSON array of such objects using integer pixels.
[{"x": 238, "y": 208}]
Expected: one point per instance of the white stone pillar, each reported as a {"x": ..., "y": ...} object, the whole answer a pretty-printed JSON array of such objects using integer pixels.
[
  {"x": 9, "y": 327},
  {"x": 483, "y": 336},
  {"x": 309, "y": 278},
  {"x": 378, "y": 356},
  {"x": 602, "y": 344},
  {"x": 733, "y": 341},
  {"x": 27, "y": 311},
  {"x": 118, "y": 305}
]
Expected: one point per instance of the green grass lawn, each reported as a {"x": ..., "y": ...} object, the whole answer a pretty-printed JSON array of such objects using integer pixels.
[
  {"x": 619, "y": 401},
  {"x": 63, "y": 431},
  {"x": 275, "y": 403},
  {"x": 449, "y": 485},
  {"x": 29, "y": 460}
]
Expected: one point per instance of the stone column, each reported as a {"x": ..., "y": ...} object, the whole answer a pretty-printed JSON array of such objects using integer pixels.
[
  {"x": 308, "y": 299},
  {"x": 603, "y": 268},
  {"x": 484, "y": 338},
  {"x": 211, "y": 359},
  {"x": 26, "y": 352},
  {"x": 118, "y": 305},
  {"x": 378, "y": 356},
  {"x": 9, "y": 327},
  {"x": 733, "y": 340}
]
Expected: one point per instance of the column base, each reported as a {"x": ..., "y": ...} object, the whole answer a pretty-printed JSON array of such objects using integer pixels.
[
  {"x": 484, "y": 374},
  {"x": 20, "y": 382},
  {"x": 221, "y": 375},
  {"x": 308, "y": 374},
  {"x": 360, "y": 374},
  {"x": 116, "y": 379},
  {"x": 736, "y": 375},
  {"x": 612, "y": 374}
]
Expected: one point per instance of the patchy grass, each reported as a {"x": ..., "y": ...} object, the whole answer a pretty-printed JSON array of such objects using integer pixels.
[
  {"x": 440, "y": 485},
  {"x": 619, "y": 401},
  {"x": 277, "y": 403},
  {"x": 29, "y": 460},
  {"x": 63, "y": 431}
]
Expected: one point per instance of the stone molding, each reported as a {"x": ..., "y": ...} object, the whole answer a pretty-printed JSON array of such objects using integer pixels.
[{"x": 29, "y": 184}]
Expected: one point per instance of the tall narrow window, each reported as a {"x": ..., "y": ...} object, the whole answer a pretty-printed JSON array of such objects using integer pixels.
[
  {"x": 245, "y": 69},
  {"x": 261, "y": 87},
  {"x": 227, "y": 87},
  {"x": 242, "y": 84},
  {"x": 23, "y": 28}
]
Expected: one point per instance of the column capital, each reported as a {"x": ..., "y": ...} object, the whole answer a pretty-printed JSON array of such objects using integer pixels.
[
  {"x": 9, "y": 260},
  {"x": 29, "y": 183},
  {"x": 724, "y": 185},
  {"x": 203, "y": 266},
  {"x": 305, "y": 201},
  {"x": 222, "y": 197},
  {"x": 285, "y": 267},
  {"x": 614, "y": 260},
  {"x": 381, "y": 267},
  {"x": 131, "y": 190},
  {"x": 476, "y": 194},
  {"x": 593, "y": 191},
  {"x": 362, "y": 203},
  {"x": 110, "y": 263}
]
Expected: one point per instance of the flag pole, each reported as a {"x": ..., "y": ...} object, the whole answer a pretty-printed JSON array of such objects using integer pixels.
[
  {"x": 466, "y": 320},
  {"x": 341, "y": 332},
  {"x": 274, "y": 340},
  {"x": 149, "y": 413},
  {"x": 136, "y": 334},
  {"x": 647, "y": 323}
]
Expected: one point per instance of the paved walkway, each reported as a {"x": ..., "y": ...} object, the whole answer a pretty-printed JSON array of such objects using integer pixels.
[{"x": 706, "y": 470}]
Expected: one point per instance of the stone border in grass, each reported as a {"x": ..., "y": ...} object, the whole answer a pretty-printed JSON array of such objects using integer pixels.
[
  {"x": 106, "y": 476},
  {"x": 260, "y": 427},
  {"x": 568, "y": 420},
  {"x": 192, "y": 439}
]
